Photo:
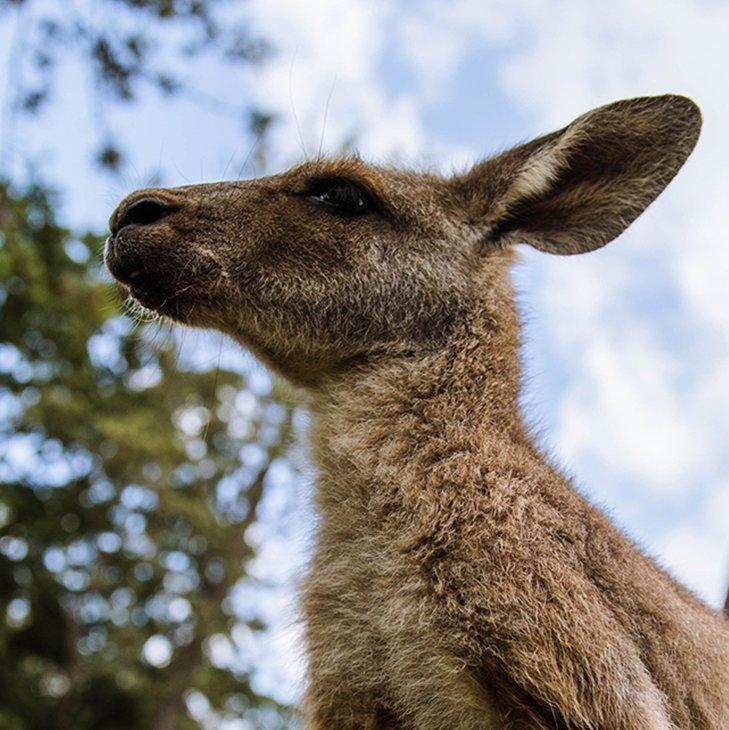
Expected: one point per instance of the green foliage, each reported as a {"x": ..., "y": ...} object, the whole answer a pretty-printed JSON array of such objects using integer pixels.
[{"x": 127, "y": 487}]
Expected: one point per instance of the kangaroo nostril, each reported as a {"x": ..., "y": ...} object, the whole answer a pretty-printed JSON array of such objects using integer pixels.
[{"x": 143, "y": 212}]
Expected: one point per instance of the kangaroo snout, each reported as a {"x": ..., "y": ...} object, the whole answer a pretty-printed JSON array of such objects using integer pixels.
[{"x": 152, "y": 252}]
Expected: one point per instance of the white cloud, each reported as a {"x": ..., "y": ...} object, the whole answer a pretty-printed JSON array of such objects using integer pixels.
[
  {"x": 700, "y": 557},
  {"x": 624, "y": 415},
  {"x": 704, "y": 287},
  {"x": 326, "y": 80}
]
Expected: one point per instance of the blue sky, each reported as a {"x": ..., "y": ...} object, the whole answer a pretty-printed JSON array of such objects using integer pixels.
[{"x": 627, "y": 349}]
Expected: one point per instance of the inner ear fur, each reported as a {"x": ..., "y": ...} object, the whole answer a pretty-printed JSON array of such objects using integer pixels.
[{"x": 576, "y": 189}]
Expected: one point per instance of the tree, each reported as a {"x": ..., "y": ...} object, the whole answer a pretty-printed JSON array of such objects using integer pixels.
[{"x": 129, "y": 484}]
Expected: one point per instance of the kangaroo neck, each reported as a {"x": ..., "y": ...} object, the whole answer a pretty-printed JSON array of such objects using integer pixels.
[{"x": 384, "y": 423}]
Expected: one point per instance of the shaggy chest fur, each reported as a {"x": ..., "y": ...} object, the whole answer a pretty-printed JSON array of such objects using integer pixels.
[{"x": 457, "y": 573}]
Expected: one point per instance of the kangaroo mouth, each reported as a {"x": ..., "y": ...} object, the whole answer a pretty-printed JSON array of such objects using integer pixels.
[
  {"x": 123, "y": 262},
  {"x": 146, "y": 290},
  {"x": 149, "y": 286},
  {"x": 174, "y": 287}
]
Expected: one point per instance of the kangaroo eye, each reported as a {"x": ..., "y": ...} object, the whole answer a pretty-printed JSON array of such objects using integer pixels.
[{"x": 343, "y": 196}]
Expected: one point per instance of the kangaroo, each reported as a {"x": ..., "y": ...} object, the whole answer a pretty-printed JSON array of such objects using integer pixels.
[{"x": 459, "y": 580}]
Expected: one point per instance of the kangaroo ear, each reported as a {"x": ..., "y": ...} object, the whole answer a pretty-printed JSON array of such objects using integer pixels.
[{"x": 576, "y": 189}]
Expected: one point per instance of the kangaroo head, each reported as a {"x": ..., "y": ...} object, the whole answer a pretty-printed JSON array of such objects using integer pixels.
[{"x": 335, "y": 260}]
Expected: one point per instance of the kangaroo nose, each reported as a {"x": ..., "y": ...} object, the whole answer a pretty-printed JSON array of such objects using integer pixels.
[{"x": 141, "y": 212}]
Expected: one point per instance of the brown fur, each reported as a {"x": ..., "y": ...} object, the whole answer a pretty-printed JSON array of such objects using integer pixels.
[{"x": 459, "y": 579}]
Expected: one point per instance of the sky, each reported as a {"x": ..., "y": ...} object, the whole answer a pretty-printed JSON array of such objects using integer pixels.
[{"x": 626, "y": 349}]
